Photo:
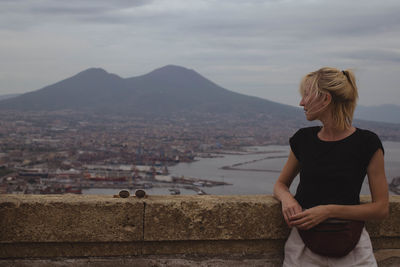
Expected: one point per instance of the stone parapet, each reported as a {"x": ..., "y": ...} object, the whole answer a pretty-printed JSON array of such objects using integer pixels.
[{"x": 51, "y": 226}]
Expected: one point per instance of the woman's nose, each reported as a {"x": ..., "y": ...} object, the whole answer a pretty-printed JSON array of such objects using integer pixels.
[{"x": 302, "y": 102}]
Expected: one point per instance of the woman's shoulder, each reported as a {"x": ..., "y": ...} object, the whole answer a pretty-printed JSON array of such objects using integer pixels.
[
  {"x": 301, "y": 139},
  {"x": 370, "y": 140},
  {"x": 367, "y": 134},
  {"x": 307, "y": 131},
  {"x": 304, "y": 135}
]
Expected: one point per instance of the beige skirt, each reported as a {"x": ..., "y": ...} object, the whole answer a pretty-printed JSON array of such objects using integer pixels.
[{"x": 297, "y": 254}]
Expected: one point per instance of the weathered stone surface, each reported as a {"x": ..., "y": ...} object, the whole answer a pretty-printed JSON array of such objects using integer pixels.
[
  {"x": 385, "y": 242},
  {"x": 389, "y": 259},
  {"x": 100, "y": 226},
  {"x": 64, "y": 249},
  {"x": 214, "y": 247},
  {"x": 213, "y": 218},
  {"x": 387, "y": 254},
  {"x": 154, "y": 261},
  {"x": 390, "y": 227},
  {"x": 70, "y": 218}
]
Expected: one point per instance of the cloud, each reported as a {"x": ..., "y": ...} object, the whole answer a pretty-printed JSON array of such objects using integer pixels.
[
  {"x": 247, "y": 46},
  {"x": 377, "y": 55},
  {"x": 25, "y": 14}
]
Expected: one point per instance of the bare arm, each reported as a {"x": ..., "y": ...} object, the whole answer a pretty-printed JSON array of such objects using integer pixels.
[
  {"x": 290, "y": 206},
  {"x": 376, "y": 210},
  {"x": 379, "y": 208}
]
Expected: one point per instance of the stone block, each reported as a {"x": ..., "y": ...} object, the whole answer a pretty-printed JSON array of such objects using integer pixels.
[
  {"x": 70, "y": 218},
  {"x": 389, "y": 227},
  {"x": 213, "y": 218}
]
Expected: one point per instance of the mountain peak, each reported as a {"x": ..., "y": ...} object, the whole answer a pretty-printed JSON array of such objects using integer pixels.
[
  {"x": 93, "y": 71},
  {"x": 176, "y": 75},
  {"x": 174, "y": 67},
  {"x": 172, "y": 70},
  {"x": 95, "y": 74}
]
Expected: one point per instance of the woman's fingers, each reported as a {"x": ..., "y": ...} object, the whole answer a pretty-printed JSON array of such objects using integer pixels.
[
  {"x": 299, "y": 221},
  {"x": 304, "y": 223},
  {"x": 298, "y": 209},
  {"x": 290, "y": 213},
  {"x": 302, "y": 220},
  {"x": 290, "y": 209},
  {"x": 287, "y": 220},
  {"x": 287, "y": 214},
  {"x": 294, "y": 210},
  {"x": 299, "y": 215}
]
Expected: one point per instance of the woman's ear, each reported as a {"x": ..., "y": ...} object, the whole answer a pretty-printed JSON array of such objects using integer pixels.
[{"x": 327, "y": 98}]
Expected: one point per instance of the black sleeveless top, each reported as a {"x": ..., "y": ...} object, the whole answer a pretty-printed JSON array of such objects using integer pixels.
[{"x": 332, "y": 172}]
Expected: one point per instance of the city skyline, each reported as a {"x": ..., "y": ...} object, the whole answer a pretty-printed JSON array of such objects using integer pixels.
[{"x": 259, "y": 48}]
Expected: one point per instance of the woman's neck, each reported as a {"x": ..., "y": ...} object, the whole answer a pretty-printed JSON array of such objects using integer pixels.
[{"x": 330, "y": 133}]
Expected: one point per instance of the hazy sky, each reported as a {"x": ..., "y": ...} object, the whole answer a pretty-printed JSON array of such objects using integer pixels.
[{"x": 260, "y": 48}]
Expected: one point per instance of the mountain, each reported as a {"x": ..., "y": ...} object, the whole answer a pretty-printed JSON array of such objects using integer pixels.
[
  {"x": 173, "y": 92},
  {"x": 383, "y": 113},
  {"x": 167, "y": 90},
  {"x": 84, "y": 90},
  {"x": 8, "y": 96}
]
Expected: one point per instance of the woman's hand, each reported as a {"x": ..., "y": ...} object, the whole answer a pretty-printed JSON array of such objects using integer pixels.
[
  {"x": 290, "y": 207},
  {"x": 310, "y": 217}
]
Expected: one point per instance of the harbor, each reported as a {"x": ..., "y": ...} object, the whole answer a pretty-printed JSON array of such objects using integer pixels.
[
  {"x": 38, "y": 181},
  {"x": 257, "y": 175}
]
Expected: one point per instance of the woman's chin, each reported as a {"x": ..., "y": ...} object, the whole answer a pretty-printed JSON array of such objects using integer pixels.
[{"x": 310, "y": 118}]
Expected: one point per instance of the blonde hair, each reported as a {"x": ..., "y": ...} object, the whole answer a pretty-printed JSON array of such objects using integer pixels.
[{"x": 341, "y": 85}]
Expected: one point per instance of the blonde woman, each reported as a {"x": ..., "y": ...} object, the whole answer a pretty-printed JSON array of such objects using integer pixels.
[{"x": 325, "y": 214}]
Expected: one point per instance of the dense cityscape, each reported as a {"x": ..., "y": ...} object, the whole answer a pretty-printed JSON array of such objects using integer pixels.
[{"x": 65, "y": 152}]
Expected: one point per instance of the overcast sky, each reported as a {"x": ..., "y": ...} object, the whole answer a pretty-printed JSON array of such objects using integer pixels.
[{"x": 259, "y": 48}]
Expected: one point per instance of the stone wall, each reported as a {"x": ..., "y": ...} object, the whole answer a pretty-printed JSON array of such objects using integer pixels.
[{"x": 159, "y": 229}]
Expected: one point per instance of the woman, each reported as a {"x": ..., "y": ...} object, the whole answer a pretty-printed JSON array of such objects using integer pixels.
[{"x": 332, "y": 160}]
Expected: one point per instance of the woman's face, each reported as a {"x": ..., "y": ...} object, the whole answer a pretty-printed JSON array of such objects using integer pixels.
[{"x": 314, "y": 103}]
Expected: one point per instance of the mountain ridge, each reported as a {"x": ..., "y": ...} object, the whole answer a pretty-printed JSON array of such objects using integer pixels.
[
  {"x": 384, "y": 113},
  {"x": 163, "y": 91}
]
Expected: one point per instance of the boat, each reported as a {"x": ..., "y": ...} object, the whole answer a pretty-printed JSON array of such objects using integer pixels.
[
  {"x": 73, "y": 190},
  {"x": 174, "y": 191}
]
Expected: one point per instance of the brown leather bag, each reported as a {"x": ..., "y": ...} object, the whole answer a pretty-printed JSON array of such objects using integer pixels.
[{"x": 333, "y": 238}]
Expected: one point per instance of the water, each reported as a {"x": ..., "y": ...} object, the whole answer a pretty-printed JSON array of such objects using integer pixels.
[
  {"x": 243, "y": 182},
  {"x": 248, "y": 181},
  {"x": 392, "y": 159}
]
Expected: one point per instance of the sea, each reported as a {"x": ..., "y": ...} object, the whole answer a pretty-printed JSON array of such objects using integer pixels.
[{"x": 254, "y": 172}]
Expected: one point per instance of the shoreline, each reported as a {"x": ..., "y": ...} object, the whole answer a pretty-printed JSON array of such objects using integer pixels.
[{"x": 235, "y": 166}]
